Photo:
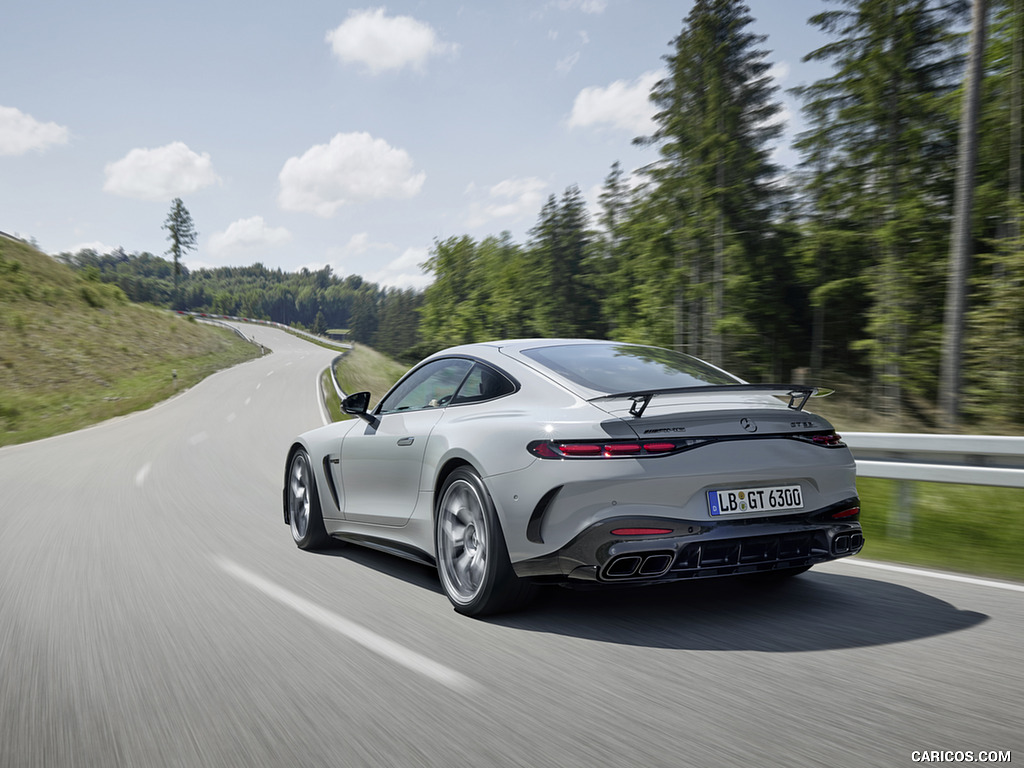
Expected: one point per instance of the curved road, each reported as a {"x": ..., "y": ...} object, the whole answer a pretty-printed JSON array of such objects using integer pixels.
[{"x": 154, "y": 612}]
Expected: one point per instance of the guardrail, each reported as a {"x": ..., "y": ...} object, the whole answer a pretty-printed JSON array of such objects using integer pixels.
[
  {"x": 217, "y": 319},
  {"x": 966, "y": 459},
  {"x": 334, "y": 376}
]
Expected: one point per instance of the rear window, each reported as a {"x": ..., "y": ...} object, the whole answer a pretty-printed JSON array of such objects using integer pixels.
[{"x": 612, "y": 368}]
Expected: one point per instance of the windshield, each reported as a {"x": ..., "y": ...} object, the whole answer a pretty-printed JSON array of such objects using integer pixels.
[{"x": 612, "y": 368}]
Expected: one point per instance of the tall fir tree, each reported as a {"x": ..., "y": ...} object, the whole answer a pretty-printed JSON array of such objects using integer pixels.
[
  {"x": 182, "y": 234},
  {"x": 715, "y": 120},
  {"x": 565, "y": 304},
  {"x": 994, "y": 376},
  {"x": 876, "y": 155}
]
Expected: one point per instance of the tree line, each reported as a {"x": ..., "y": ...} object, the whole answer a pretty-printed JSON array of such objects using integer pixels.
[
  {"x": 836, "y": 269},
  {"x": 318, "y": 301},
  {"x": 839, "y": 268}
]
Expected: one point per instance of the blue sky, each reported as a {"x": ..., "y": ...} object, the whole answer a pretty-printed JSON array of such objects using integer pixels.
[{"x": 314, "y": 133}]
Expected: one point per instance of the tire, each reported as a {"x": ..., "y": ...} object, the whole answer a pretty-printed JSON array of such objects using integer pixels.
[
  {"x": 472, "y": 557},
  {"x": 304, "y": 514}
]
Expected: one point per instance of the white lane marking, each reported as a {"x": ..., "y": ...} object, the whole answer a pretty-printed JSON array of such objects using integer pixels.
[
  {"x": 935, "y": 574},
  {"x": 140, "y": 476},
  {"x": 230, "y": 417},
  {"x": 365, "y": 637},
  {"x": 197, "y": 438},
  {"x": 248, "y": 400},
  {"x": 259, "y": 385},
  {"x": 269, "y": 374}
]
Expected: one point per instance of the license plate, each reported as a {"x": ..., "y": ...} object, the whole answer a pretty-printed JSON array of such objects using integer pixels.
[{"x": 755, "y": 500}]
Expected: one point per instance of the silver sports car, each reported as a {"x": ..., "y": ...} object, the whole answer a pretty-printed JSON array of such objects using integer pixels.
[{"x": 512, "y": 464}]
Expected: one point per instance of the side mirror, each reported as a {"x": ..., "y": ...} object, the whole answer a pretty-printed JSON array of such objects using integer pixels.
[{"x": 358, "y": 405}]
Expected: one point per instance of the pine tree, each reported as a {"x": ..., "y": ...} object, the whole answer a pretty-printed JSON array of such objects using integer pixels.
[
  {"x": 182, "y": 234},
  {"x": 961, "y": 241},
  {"x": 994, "y": 379},
  {"x": 714, "y": 179},
  {"x": 565, "y": 305},
  {"x": 877, "y": 161}
]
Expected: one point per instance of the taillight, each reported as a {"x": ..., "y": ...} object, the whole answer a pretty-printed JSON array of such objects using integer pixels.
[
  {"x": 580, "y": 449},
  {"x": 824, "y": 439},
  {"x": 846, "y": 513},
  {"x": 611, "y": 449}
]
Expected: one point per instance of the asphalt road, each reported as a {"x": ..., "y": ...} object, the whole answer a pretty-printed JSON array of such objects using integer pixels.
[{"x": 154, "y": 612}]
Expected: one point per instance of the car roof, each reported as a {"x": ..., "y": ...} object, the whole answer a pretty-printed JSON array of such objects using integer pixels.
[
  {"x": 506, "y": 354},
  {"x": 517, "y": 345}
]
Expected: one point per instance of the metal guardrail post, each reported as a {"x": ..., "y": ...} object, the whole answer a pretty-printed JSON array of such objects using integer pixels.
[{"x": 900, "y": 524}]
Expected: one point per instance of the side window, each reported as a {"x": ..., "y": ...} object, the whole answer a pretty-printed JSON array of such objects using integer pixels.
[
  {"x": 431, "y": 386},
  {"x": 483, "y": 383}
]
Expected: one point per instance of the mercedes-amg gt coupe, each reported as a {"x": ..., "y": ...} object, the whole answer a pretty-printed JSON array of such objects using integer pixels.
[{"x": 513, "y": 464}]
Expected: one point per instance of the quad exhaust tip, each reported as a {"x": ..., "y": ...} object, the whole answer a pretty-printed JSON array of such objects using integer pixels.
[
  {"x": 642, "y": 565},
  {"x": 847, "y": 543}
]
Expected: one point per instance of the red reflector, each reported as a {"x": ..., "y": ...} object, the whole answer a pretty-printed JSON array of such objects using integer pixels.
[
  {"x": 640, "y": 531},
  {"x": 846, "y": 513},
  {"x": 579, "y": 449}
]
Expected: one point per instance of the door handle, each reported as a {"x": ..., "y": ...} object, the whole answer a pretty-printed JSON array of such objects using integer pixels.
[{"x": 406, "y": 440}]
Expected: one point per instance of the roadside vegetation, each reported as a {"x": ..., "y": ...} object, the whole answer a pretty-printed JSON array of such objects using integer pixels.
[
  {"x": 968, "y": 528},
  {"x": 75, "y": 351},
  {"x": 363, "y": 369}
]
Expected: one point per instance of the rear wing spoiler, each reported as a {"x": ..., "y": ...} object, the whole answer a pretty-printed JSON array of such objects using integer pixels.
[{"x": 798, "y": 394}]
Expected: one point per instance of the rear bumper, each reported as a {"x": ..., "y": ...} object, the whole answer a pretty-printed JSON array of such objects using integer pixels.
[{"x": 698, "y": 549}]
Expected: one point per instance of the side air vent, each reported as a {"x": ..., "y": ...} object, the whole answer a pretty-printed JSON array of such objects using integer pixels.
[{"x": 537, "y": 518}]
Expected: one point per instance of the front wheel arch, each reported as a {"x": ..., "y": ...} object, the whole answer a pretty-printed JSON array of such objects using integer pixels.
[{"x": 302, "y": 502}]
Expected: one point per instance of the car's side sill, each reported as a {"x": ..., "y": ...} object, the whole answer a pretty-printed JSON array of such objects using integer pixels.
[{"x": 391, "y": 547}]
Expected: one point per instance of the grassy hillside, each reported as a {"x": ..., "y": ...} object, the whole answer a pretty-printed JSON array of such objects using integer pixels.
[{"x": 74, "y": 351}]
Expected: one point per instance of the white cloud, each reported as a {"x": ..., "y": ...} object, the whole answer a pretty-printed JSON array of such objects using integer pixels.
[
  {"x": 385, "y": 42},
  {"x": 352, "y": 168},
  {"x": 623, "y": 104},
  {"x": 248, "y": 233},
  {"x": 565, "y": 65},
  {"x": 403, "y": 272},
  {"x": 779, "y": 72},
  {"x": 586, "y": 6},
  {"x": 360, "y": 243},
  {"x": 512, "y": 198},
  {"x": 21, "y": 133},
  {"x": 160, "y": 174}
]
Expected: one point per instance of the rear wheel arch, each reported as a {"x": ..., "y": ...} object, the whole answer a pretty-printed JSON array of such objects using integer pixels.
[
  {"x": 447, "y": 468},
  {"x": 471, "y": 553}
]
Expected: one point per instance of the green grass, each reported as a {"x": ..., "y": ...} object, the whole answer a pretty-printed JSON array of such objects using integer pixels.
[
  {"x": 74, "y": 351},
  {"x": 366, "y": 370},
  {"x": 972, "y": 529}
]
